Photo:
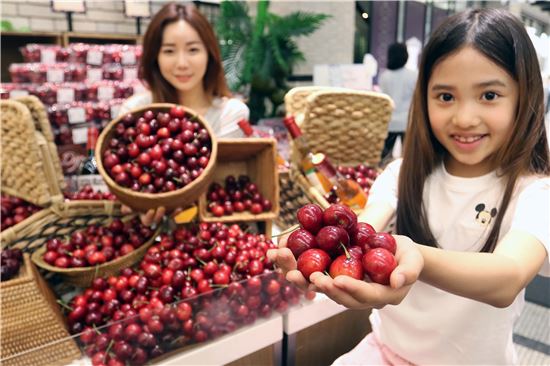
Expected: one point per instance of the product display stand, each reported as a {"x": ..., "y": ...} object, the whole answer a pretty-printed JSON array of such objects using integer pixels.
[{"x": 319, "y": 331}]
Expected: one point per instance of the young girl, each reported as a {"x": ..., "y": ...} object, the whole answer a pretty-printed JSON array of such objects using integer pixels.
[
  {"x": 181, "y": 64},
  {"x": 471, "y": 200}
]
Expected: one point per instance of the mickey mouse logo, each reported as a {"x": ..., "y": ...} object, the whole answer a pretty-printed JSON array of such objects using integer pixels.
[{"x": 484, "y": 217}]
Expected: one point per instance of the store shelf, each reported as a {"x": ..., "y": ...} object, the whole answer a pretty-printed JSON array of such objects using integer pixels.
[
  {"x": 310, "y": 313},
  {"x": 98, "y": 38}
]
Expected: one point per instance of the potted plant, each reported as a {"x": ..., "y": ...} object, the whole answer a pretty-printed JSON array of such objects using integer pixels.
[{"x": 260, "y": 53}]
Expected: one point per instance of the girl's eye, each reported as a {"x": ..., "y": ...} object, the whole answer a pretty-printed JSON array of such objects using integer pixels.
[
  {"x": 167, "y": 51},
  {"x": 445, "y": 97},
  {"x": 194, "y": 50},
  {"x": 490, "y": 96}
]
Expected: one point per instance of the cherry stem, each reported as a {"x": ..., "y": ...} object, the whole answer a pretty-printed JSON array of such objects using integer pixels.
[
  {"x": 348, "y": 256},
  {"x": 60, "y": 302},
  {"x": 288, "y": 231},
  {"x": 95, "y": 328},
  {"x": 200, "y": 261},
  {"x": 108, "y": 349}
]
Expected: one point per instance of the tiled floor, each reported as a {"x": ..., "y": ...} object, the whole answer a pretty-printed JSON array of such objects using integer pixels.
[{"x": 532, "y": 335}]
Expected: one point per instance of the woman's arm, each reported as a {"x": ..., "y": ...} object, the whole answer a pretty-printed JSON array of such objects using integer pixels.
[{"x": 493, "y": 278}]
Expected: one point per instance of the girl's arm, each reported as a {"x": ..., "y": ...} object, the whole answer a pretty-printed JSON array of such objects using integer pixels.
[{"x": 493, "y": 278}]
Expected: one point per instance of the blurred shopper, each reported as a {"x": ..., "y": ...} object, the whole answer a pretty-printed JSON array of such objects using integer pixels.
[
  {"x": 470, "y": 200},
  {"x": 398, "y": 82},
  {"x": 181, "y": 64}
]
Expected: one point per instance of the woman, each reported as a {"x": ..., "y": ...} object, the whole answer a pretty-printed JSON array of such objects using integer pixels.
[{"x": 181, "y": 64}]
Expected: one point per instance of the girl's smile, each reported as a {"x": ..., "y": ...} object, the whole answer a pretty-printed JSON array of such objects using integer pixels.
[{"x": 472, "y": 107}]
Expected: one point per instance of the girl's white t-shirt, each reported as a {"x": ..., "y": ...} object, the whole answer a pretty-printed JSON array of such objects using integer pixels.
[
  {"x": 432, "y": 326},
  {"x": 223, "y": 115}
]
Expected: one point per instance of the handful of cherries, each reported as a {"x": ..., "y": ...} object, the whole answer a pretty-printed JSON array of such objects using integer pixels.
[
  {"x": 11, "y": 260},
  {"x": 157, "y": 151},
  {"x": 333, "y": 241}
]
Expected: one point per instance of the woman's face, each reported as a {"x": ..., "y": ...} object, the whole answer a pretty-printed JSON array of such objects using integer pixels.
[
  {"x": 183, "y": 57},
  {"x": 472, "y": 108}
]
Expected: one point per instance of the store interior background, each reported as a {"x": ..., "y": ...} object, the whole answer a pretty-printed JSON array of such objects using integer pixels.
[{"x": 354, "y": 29}]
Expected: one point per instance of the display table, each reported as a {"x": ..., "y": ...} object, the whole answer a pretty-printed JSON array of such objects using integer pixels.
[
  {"x": 246, "y": 346},
  {"x": 319, "y": 331}
]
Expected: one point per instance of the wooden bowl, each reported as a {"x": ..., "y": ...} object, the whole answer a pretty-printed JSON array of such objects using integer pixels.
[{"x": 141, "y": 201}]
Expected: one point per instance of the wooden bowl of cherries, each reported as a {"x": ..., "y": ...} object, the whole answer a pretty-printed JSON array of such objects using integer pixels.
[{"x": 158, "y": 155}]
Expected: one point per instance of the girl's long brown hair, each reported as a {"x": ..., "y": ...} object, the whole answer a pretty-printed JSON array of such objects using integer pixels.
[
  {"x": 502, "y": 38},
  {"x": 149, "y": 72}
]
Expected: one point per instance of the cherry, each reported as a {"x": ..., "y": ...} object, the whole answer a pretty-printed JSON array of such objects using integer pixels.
[
  {"x": 340, "y": 215},
  {"x": 310, "y": 217},
  {"x": 347, "y": 265},
  {"x": 301, "y": 240},
  {"x": 313, "y": 260},
  {"x": 361, "y": 234},
  {"x": 379, "y": 263},
  {"x": 382, "y": 240},
  {"x": 330, "y": 238}
]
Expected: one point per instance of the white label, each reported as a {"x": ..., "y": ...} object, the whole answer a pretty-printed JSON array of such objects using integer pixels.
[
  {"x": 47, "y": 56},
  {"x": 65, "y": 95},
  {"x": 94, "y": 57},
  {"x": 18, "y": 93},
  {"x": 130, "y": 73},
  {"x": 105, "y": 92},
  {"x": 95, "y": 180},
  {"x": 94, "y": 74},
  {"x": 80, "y": 135},
  {"x": 128, "y": 58},
  {"x": 76, "y": 115},
  {"x": 55, "y": 75},
  {"x": 114, "y": 110}
]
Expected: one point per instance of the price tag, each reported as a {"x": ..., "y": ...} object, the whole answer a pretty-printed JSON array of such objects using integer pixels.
[
  {"x": 65, "y": 95},
  {"x": 76, "y": 115},
  {"x": 95, "y": 180},
  {"x": 55, "y": 75},
  {"x": 80, "y": 135},
  {"x": 114, "y": 110},
  {"x": 94, "y": 57},
  {"x": 94, "y": 74},
  {"x": 105, "y": 93},
  {"x": 128, "y": 58},
  {"x": 130, "y": 73},
  {"x": 18, "y": 93},
  {"x": 47, "y": 56}
]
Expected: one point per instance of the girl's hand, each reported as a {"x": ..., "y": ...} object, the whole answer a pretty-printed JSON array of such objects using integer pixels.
[
  {"x": 356, "y": 294},
  {"x": 153, "y": 216}
]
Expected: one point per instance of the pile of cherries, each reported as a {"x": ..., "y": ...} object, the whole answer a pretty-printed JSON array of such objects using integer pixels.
[
  {"x": 11, "y": 259},
  {"x": 195, "y": 284},
  {"x": 362, "y": 174},
  {"x": 96, "y": 244},
  {"x": 333, "y": 241},
  {"x": 87, "y": 192},
  {"x": 238, "y": 195},
  {"x": 157, "y": 151},
  {"x": 14, "y": 210}
]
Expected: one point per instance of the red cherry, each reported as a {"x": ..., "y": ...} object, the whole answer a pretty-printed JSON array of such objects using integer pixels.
[
  {"x": 310, "y": 217},
  {"x": 330, "y": 238},
  {"x": 301, "y": 240},
  {"x": 340, "y": 215},
  {"x": 313, "y": 260},
  {"x": 383, "y": 240},
  {"x": 379, "y": 264},
  {"x": 346, "y": 265}
]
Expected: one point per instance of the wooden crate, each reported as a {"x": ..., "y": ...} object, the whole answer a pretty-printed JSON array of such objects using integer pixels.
[{"x": 255, "y": 157}]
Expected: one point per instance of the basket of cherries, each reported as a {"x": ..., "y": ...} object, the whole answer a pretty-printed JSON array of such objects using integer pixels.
[{"x": 157, "y": 155}]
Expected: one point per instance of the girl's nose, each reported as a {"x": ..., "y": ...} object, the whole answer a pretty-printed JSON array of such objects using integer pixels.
[
  {"x": 182, "y": 61},
  {"x": 466, "y": 116}
]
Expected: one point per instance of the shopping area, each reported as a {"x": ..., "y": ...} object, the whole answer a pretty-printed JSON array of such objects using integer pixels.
[{"x": 157, "y": 156}]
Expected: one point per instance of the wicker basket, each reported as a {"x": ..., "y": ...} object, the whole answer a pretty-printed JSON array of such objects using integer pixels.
[
  {"x": 30, "y": 166},
  {"x": 33, "y": 331},
  {"x": 349, "y": 126},
  {"x": 170, "y": 200}
]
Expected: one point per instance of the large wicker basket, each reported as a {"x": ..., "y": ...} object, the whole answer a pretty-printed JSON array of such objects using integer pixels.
[
  {"x": 349, "y": 126},
  {"x": 170, "y": 200},
  {"x": 30, "y": 165},
  {"x": 32, "y": 328}
]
